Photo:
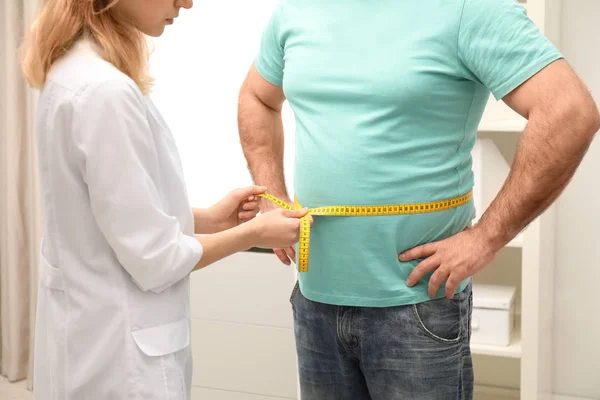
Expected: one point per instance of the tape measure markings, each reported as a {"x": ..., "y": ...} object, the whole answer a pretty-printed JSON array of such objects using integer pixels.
[{"x": 359, "y": 211}]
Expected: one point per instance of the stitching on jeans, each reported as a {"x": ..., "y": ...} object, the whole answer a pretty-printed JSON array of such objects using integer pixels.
[
  {"x": 338, "y": 326},
  {"x": 434, "y": 336},
  {"x": 338, "y": 330},
  {"x": 470, "y": 314},
  {"x": 461, "y": 393},
  {"x": 294, "y": 292},
  {"x": 355, "y": 339}
]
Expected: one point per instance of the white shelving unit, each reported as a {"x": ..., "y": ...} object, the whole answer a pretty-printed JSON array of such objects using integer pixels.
[
  {"x": 513, "y": 350},
  {"x": 531, "y": 346}
]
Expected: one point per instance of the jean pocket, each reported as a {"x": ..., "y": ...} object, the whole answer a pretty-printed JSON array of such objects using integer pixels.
[
  {"x": 294, "y": 291},
  {"x": 470, "y": 313},
  {"x": 440, "y": 319}
]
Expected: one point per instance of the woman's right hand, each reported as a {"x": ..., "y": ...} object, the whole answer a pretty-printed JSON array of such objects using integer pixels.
[{"x": 279, "y": 228}]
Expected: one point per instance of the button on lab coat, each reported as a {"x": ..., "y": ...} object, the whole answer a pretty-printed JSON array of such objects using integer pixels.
[{"x": 113, "y": 318}]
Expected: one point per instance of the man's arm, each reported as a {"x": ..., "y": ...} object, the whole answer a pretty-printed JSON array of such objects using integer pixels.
[
  {"x": 563, "y": 120},
  {"x": 261, "y": 136},
  {"x": 261, "y": 131}
]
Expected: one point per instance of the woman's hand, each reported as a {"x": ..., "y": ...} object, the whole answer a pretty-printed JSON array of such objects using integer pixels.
[
  {"x": 240, "y": 205},
  {"x": 287, "y": 254},
  {"x": 279, "y": 228},
  {"x": 275, "y": 229}
]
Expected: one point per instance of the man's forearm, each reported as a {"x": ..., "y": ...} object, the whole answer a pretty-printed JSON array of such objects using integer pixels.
[
  {"x": 548, "y": 154},
  {"x": 262, "y": 139}
]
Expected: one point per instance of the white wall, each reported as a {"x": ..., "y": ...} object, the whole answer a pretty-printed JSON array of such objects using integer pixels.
[
  {"x": 242, "y": 338},
  {"x": 199, "y": 65},
  {"x": 577, "y": 276}
]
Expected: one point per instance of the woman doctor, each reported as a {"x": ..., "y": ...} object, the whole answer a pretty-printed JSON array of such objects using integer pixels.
[{"x": 113, "y": 320}]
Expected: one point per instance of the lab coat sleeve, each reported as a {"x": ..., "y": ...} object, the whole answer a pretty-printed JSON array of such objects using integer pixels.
[{"x": 118, "y": 161}]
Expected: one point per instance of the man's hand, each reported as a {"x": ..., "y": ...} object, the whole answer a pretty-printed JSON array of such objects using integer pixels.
[
  {"x": 453, "y": 260},
  {"x": 240, "y": 205}
]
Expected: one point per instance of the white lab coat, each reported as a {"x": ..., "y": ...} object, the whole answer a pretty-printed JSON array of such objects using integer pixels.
[{"x": 113, "y": 319}]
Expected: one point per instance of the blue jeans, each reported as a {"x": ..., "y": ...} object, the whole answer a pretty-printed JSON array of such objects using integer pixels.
[{"x": 416, "y": 351}]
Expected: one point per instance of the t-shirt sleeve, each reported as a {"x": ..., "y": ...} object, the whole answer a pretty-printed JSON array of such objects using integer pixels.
[
  {"x": 500, "y": 46},
  {"x": 269, "y": 61}
]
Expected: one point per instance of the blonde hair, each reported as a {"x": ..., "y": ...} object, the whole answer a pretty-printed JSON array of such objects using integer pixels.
[{"x": 62, "y": 22}]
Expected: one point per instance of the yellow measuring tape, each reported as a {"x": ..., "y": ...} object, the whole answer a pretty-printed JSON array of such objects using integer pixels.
[{"x": 360, "y": 211}]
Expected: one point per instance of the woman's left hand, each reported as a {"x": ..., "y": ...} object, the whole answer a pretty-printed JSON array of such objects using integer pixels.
[{"x": 240, "y": 205}]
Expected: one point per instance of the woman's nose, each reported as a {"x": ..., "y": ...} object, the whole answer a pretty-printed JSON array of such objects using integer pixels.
[{"x": 184, "y": 3}]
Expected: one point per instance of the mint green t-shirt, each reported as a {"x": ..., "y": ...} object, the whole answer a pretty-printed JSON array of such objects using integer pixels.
[{"x": 387, "y": 97}]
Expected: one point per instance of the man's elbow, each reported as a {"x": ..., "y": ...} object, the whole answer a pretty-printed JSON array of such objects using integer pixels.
[
  {"x": 577, "y": 117},
  {"x": 585, "y": 116},
  {"x": 595, "y": 120}
]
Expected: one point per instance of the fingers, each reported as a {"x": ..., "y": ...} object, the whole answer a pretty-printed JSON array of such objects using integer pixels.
[
  {"x": 283, "y": 257},
  {"x": 256, "y": 189},
  {"x": 436, "y": 280},
  {"x": 247, "y": 192},
  {"x": 249, "y": 209},
  {"x": 247, "y": 215},
  {"x": 424, "y": 267},
  {"x": 451, "y": 287},
  {"x": 250, "y": 204},
  {"x": 422, "y": 251},
  {"x": 291, "y": 253},
  {"x": 295, "y": 213}
]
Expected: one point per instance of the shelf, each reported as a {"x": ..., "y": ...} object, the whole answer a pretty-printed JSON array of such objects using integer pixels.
[
  {"x": 513, "y": 350},
  {"x": 510, "y": 125},
  {"x": 517, "y": 242},
  {"x": 523, "y": 3},
  {"x": 499, "y": 117}
]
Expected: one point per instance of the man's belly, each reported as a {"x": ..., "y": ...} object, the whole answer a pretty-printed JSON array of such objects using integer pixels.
[{"x": 357, "y": 257}]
